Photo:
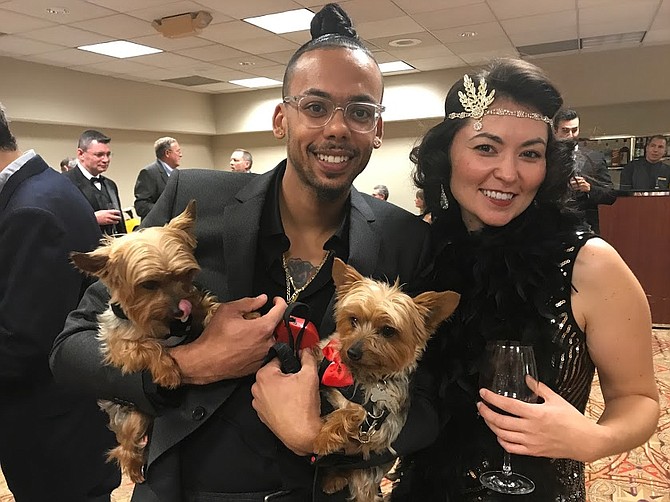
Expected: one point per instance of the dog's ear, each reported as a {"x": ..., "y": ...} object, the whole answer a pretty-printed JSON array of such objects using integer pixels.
[
  {"x": 186, "y": 220},
  {"x": 92, "y": 263},
  {"x": 440, "y": 306},
  {"x": 344, "y": 275}
]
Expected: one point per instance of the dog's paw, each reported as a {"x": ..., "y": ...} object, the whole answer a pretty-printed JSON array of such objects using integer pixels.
[
  {"x": 168, "y": 377},
  {"x": 334, "y": 482}
]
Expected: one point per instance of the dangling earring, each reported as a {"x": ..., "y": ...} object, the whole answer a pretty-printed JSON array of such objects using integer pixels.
[{"x": 444, "y": 201}]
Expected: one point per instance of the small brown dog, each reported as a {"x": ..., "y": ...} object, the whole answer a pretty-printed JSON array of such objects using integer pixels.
[
  {"x": 149, "y": 274},
  {"x": 381, "y": 334}
]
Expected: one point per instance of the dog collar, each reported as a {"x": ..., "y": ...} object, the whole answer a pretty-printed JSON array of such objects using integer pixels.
[{"x": 118, "y": 311}]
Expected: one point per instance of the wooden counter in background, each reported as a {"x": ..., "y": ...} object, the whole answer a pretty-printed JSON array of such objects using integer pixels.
[{"x": 638, "y": 226}]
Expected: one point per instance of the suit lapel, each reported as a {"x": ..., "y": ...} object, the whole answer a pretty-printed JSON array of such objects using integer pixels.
[{"x": 241, "y": 221}]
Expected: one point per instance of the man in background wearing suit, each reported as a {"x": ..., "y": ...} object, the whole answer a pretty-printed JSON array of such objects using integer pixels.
[
  {"x": 93, "y": 158},
  {"x": 591, "y": 182},
  {"x": 52, "y": 443},
  {"x": 152, "y": 179}
]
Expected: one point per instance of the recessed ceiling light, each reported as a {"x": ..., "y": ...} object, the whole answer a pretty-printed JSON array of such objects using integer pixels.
[
  {"x": 405, "y": 42},
  {"x": 57, "y": 10},
  {"x": 120, "y": 49},
  {"x": 283, "y": 22},
  {"x": 469, "y": 34},
  {"x": 394, "y": 66},
  {"x": 256, "y": 82},
  {"x": 246, "y": 63}
]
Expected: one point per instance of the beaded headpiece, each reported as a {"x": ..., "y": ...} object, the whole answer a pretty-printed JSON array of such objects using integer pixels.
[{"x": 476, "y": 104}]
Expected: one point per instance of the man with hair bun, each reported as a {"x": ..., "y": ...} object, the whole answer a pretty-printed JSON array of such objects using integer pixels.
[{"x": 264, "y": 240}]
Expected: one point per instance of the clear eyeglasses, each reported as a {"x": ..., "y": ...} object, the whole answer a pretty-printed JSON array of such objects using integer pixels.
[{"x": 318, "y": 111}]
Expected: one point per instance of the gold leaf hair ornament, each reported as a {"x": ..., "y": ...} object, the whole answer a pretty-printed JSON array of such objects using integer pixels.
[{"x": 476, "y": 102}]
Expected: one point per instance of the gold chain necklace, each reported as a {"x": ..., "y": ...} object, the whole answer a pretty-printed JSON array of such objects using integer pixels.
[{"x": 291, "y": 297}]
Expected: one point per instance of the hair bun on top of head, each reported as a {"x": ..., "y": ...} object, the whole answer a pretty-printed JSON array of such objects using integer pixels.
[{"x": 332, "y": 20}]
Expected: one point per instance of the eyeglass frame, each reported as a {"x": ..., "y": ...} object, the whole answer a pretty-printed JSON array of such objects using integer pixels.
[{"x": 379, "y": 109}]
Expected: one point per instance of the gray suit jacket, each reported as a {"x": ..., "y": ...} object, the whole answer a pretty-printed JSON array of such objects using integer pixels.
[
  {"x": 149, "y": 186},
  {"x": 384, "y": 242}
]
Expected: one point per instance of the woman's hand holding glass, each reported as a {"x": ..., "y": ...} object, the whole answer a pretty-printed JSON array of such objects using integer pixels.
[{"x": 553, "y": 429}]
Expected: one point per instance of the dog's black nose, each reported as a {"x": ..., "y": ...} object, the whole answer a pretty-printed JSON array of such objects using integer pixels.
[{"x": 355, "y": 352}]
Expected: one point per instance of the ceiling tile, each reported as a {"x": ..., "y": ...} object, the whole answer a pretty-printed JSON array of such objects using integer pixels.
[
  {"x": 481, "y": 58},
  {"x": 479, "y": 46},
  {"x": 245, "y": 8},
  {"x": 69, "y": 57},
  {"x": 621, "y": 18},
  {"x": 171, "y": 44},
  {"x": 436, "y": 63},
  {"x": 281, "y": 57},
  {"x": 506, "y": 9},
  {"x": 541, "y": 28},
  {"x": 417, "y": 6},
  {"x": 363, "y": 11},
  {"x": 262, "y": 45},
  {"x": 457, "y": 16},
  {"x": 126, "y": 5},
  {"x": 118, "y": 26},
  {"x": 165, "y": 60},
  {"x": 121, "y": 66},
  {"x": 233, "y": 31},
  {"x": 427, "y": 40},
  {"x": 13, "y": 22},
  {"x": 298, "y": 37},
  {"x": 276, "y": 72},
  {"x": 245, "y": 62},
  {"x": 77, "y": 10},
  {"x": 483, "y": 31},
  {"x": 66, "y": 36},
  {"x": 407, "y": 54},
  {"x": 168, "y": 9},
  {"x": 13, "y": 45},
  {"x": 388, "y": 27},
  {"x": 212, "y": 52}
]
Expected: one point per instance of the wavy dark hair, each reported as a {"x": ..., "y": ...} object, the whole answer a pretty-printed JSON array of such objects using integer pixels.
[
  {"x": 522, "y": 83},
  {"x": 331, "y": 27}
]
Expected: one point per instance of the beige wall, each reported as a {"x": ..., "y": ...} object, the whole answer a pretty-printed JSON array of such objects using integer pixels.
[{"x": 617, "y": 92}]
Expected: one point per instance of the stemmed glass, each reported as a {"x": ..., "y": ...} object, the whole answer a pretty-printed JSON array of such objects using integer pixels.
[{"x": 509, "y": 365}]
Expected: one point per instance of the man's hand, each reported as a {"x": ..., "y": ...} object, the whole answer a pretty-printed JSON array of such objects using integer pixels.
[
  {"x": 231, "y": 346},
  {"x": 108, "y": 216},
  {"x": 289, "y": 404},
  {"x": 580, "y": 184}
]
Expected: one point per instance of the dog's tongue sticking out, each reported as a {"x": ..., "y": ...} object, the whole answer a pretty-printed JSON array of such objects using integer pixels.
[{"x": 185, "y": 306}]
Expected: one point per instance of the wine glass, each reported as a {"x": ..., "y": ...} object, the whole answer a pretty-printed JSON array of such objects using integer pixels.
[{"x": 509, "y": 365}]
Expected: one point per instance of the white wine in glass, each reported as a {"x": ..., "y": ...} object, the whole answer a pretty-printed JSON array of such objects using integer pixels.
[{"x": 508, "y": 366}]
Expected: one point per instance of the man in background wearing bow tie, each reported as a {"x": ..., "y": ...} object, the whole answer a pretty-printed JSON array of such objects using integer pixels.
[{"x": 93, "y": 158}]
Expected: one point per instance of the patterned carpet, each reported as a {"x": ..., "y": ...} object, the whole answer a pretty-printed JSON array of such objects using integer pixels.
[{"x": 641, "y": 475}]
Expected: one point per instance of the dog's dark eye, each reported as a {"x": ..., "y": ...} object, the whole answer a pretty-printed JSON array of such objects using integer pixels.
[
  {"x": 353, "y": 321},
  {"x": 150, "y": 285},
  {"x": 388, "y": 331}
]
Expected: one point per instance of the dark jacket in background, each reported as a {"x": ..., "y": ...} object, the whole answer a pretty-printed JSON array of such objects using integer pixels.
[
  {"x": 149, "y": 186},
  {"x": 591, "y": 165},
  {"x": 52, "y": 442}
]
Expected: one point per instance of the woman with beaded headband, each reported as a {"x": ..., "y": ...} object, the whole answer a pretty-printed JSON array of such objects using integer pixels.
[{"x": 496, "y": 183}]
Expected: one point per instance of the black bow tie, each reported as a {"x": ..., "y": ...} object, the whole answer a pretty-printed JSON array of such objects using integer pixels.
[{"x": 96, "y": 180}]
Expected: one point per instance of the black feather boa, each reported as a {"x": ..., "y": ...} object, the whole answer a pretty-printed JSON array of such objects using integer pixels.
[{"x": 507, "y": 277}]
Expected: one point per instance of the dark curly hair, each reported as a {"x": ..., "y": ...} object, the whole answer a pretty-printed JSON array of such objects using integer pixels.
[
  {"x": 331, "y": 27},
  {"x": 522, "y": 83}
]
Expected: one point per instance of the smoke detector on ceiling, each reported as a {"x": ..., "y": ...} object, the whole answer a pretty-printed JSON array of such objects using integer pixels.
[{"x": 183, "y": 25}]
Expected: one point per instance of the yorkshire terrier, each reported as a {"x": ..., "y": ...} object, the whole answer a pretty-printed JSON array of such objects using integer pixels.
[
  {"x": 149, "y": 274},
  {"x": 380, "y": 335}
]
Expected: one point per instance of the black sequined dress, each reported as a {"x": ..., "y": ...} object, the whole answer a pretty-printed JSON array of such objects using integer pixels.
[{"x": 515, "y": 284}]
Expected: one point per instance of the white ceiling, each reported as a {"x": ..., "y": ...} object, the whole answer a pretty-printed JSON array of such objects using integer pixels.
[{"x": 232, "y": 49}]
